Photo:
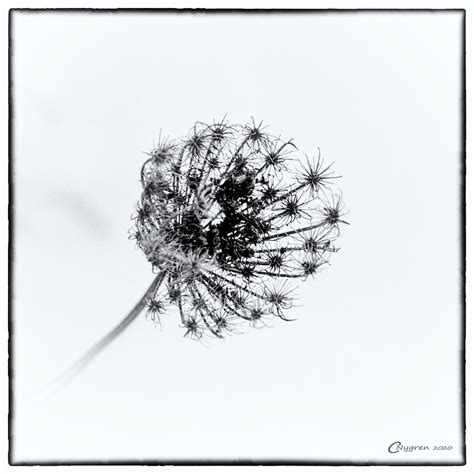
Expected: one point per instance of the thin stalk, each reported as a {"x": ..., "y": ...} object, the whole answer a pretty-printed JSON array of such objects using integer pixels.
[
  {"x": 223, "y": 297},
  {"x": 100, "y": 345},
  {"x": 291, "y": 232},
  {"x": 202, "y": 313},
  {"x": 233, "y": 283}
]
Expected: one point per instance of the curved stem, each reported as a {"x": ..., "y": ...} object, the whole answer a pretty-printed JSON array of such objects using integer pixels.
[{"x": 102, "y": 343}]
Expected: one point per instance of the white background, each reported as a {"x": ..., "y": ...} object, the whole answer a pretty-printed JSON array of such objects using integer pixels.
[{"x": 374, "y": 356}]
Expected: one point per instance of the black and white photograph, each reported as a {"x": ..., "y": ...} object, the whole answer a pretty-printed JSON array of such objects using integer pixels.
[{"x": 237, "y": 237}]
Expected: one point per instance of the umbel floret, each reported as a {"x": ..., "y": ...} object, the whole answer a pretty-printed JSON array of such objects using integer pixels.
[{"x": 230, "y": 222}]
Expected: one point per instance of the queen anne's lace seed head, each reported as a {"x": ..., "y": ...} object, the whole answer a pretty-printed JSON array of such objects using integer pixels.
[{"x": 231, "y": 223}]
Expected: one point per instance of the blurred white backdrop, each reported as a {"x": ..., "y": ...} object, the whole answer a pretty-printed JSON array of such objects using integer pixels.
[{"x": 375, "y": 354}]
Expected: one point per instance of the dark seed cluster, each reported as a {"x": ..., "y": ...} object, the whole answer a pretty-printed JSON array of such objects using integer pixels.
[{"x": 232, "y": 224}]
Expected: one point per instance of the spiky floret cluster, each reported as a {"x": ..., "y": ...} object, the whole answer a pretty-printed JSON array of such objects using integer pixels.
[{"x": 228, "y": 221}]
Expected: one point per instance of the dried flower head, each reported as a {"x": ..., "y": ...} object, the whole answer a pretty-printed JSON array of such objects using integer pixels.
[{"x": 229, "y": 226}]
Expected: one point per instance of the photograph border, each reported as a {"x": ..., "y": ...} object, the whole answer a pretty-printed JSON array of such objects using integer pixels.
[{"x": 11, "y": 240}]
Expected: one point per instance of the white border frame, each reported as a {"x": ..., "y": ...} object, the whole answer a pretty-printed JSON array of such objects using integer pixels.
[{"x": 6, "y": 5}]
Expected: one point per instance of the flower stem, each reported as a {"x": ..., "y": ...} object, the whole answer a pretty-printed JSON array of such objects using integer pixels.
[{"x": 100, "y": 345}]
